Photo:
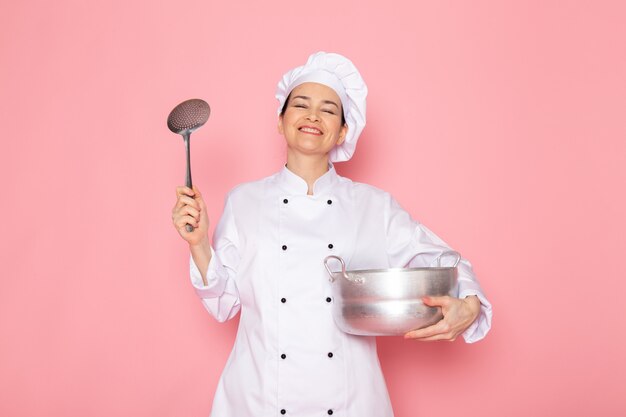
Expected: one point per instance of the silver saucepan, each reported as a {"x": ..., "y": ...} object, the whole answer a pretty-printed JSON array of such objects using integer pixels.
[{"x": 388, "y": 302}]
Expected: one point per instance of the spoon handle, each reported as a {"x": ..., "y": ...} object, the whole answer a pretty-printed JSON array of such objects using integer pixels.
[{"x": 186, "y": 136}]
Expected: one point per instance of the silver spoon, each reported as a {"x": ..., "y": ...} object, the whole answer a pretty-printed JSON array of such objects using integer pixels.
[{"x": 184, "y": 119}]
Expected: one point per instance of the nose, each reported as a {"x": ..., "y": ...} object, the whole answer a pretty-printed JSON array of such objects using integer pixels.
[{"x": 313, "y": 115}]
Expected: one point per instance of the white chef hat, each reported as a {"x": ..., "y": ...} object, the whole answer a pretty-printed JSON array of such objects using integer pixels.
[{"x": 340, "y": 74}]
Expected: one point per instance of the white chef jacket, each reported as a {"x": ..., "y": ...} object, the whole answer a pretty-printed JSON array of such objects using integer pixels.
[{"x": 289, "y": 357}]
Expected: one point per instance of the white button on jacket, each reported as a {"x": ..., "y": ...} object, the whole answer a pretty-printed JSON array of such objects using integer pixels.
[{"x": 289, "y": 357}]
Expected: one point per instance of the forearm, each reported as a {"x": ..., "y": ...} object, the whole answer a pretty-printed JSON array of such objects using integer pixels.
[{"x": 201, "y": 254}]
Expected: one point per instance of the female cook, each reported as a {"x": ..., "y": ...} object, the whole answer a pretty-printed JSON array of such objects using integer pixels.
[{"x": 289, "y": 357}]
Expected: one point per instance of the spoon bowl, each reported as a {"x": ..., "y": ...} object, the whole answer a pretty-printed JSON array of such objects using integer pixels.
[{"x": 184, "y": 119}]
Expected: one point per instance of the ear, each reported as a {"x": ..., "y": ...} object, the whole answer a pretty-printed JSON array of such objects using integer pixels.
[
  {"x": 342, "y": 134},
  {"x": 280, "y": 125}
]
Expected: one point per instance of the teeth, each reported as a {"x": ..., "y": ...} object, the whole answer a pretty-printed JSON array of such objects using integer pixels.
[{"x": 310, "y": 130}]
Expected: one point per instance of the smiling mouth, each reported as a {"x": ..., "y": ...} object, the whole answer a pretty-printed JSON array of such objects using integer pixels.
[{"x": 310, "y": 130}]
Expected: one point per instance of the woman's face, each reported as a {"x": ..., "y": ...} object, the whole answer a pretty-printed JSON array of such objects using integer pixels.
[{"x": 311, "y": 123}]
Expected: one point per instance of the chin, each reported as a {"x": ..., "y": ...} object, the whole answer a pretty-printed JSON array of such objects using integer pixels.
[{"x": 304, "y": 150}]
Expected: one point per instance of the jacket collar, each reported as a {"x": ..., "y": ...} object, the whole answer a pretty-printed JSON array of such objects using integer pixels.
[{"x": 294, "y": 185}]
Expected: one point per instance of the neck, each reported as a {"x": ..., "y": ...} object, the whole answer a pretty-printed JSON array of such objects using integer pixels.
[{"x": 307, "y": 167}]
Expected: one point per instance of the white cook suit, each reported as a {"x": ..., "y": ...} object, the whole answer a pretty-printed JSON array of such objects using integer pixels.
[{"x": 289, "y": 357}]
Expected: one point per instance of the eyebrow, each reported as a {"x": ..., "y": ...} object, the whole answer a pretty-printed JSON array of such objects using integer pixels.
[{"x": 323, "y": 101}]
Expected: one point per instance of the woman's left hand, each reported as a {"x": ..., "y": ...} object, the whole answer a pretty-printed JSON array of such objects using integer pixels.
[{"x": 458, "y": 315}]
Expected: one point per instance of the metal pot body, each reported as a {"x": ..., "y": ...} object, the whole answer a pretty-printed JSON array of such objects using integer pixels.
[{"x": 388, "y": 302}]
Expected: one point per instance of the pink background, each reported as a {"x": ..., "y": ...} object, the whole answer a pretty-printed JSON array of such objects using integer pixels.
[{"x": 498, "y": 124}]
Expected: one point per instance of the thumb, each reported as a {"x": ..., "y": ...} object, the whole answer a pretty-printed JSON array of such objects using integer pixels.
[
  {"x": 198, "y": 195},
  {"x": 436, "y": 301}
]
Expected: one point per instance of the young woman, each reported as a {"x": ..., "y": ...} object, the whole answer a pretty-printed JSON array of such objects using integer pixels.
[{"x": 266, "y": 261}]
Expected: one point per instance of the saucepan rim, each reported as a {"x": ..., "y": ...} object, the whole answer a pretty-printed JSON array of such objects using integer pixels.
[{"x": 345, "y": 273}]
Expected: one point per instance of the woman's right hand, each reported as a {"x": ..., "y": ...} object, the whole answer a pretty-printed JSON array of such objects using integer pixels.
[{"x": 190, "y": 209}]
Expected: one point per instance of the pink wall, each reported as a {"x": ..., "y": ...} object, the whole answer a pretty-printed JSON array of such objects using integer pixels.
[{"x": 498, "y": 124}]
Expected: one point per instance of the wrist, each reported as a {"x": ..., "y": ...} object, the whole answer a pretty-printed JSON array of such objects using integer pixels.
[
  {"x": 201, "y": 246},
  {"x": 201, "y": 254},
  {"x": 474, "y": 303}
]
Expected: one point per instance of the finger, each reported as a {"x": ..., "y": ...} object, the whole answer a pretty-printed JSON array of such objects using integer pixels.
[
  {"x": 436, "y": 301},
  {"x": 179, "y": 204},
  {"x": 438, "y": 337},
  {"x": 198, "y": 198},
  {"x": 182, "y": 221},
  {"x": 182, "y": 203},
  {"x": 190, "y": 201},
  {"x": 432, "y": 335},
  {"x": 438, "y": 328},
  {"x": 183, "y": 230},
  {"x": 188, "y": 210},
  {"x": 183, "y": 190}
]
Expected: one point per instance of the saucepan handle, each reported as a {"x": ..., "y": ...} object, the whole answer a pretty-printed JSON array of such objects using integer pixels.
[
  {"x": 331, "y": 273},
  {"x": 456, "y": 255}
]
